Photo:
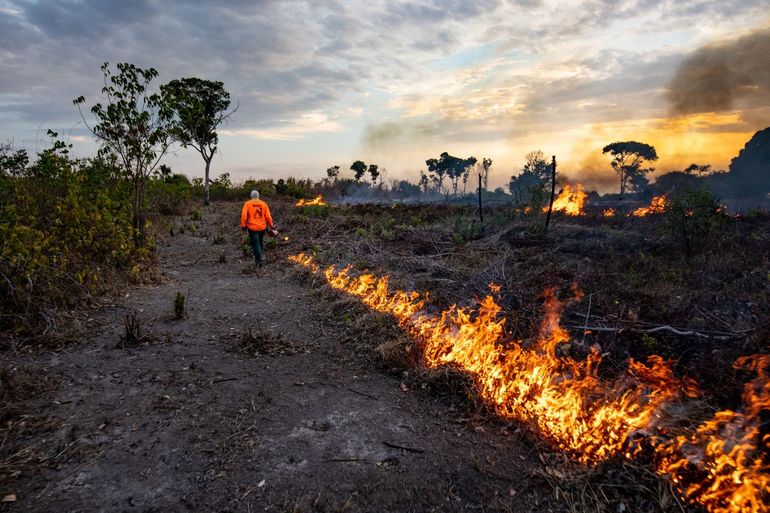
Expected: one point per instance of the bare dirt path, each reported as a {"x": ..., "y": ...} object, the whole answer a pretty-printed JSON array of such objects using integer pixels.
[{"x": 182, "y": 423}]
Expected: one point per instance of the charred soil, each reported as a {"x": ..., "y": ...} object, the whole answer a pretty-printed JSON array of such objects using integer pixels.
[
  {"x": 262, "y": 390},
  {"x": 251, "y": 400}
]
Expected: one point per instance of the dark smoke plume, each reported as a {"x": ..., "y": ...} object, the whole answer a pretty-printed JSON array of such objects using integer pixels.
[{"x": 724, "y": 76}]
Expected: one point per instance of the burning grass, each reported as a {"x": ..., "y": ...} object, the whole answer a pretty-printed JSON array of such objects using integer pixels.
[
  {"x": 318, "y": 200},
  {"x": 566, "y": 401},
  {"x": 570, "y": 201},
  {"x": 657, "y": 206}
]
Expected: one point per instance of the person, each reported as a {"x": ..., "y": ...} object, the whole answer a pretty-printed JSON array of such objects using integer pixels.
[{"x": 255, "y": 219}]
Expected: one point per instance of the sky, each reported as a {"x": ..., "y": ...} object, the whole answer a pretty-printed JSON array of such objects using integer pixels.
[{"x": 322, "y": 83}]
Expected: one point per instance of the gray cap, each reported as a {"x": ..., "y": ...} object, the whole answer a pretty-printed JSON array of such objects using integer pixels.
[{"x": 254, "y": 194}]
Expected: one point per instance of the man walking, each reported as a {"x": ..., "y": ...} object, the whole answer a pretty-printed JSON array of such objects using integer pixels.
[{"x": 255, "y": 219}]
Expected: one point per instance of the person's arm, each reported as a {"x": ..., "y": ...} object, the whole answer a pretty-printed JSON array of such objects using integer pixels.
[
  {"x": 268, "y": 217},
  {"x": 244, "y": 216}
]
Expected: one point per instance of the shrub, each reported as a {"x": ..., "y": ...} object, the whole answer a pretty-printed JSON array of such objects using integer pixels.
[
  {"x": 170, "y": 195},
  {"x": 65, "y": 228},
  {"x": 179, "y": 305},
  {"x": 691, "y": 218}
]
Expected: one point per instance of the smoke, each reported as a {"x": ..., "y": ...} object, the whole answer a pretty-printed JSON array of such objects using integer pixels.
[
  {"x": 395, "y": 135},
  {"x": 724, "y": 76},
  {"x": 593, "y": 173}
]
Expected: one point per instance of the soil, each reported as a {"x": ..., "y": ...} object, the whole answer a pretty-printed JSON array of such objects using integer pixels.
[{"x": 188, "y": 420}]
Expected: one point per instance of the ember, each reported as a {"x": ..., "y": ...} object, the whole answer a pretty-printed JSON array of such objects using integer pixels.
[
  {"x": 609, "y": 212},
  {"x": 318, "y": 200},
  {"x": 570, "y": 201}
]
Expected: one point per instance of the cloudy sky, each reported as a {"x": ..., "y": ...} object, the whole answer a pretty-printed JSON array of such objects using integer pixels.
[{"x": 395, "y": 82}]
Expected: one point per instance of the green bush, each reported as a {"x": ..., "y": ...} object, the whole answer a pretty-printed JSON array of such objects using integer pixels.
[
  {"x": 170, "y": 195},
  {"x": 691, "y": 218},
  {"x": 294, "y": 188},
  {"x": 65, "y": 229}
]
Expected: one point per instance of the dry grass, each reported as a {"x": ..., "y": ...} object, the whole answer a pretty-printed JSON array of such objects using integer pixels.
[
  {"x": 634, "y": 279},
  {"x": 256, "y": 340}
]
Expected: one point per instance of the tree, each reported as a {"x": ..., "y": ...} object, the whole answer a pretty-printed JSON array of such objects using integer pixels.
[
  {"x": 533, "y": 182},
  {"x": 333, "y": 172},
  {"x": 374, "y": 172},
  {"x": 359, "y": 168},
  {"x": 627, "y": 159},
  {"x": 133, "y": 127},
  {"x": 449, "y": 166},
  {"x": 199, "y": 107},
  {"x": 484, "y": 169},
  {"x": 701, "y": 169},
  {"x": 423, "y": 183}
]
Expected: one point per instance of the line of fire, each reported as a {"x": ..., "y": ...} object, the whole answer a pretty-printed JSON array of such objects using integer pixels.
[{"x": 719, "y": 463}]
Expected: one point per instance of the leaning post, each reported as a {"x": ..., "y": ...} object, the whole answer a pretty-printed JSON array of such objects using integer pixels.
[{"x": 553, "y": 191}]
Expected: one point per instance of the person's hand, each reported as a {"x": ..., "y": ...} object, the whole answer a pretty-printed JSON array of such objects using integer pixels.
[{"x": 244, "y": 230}]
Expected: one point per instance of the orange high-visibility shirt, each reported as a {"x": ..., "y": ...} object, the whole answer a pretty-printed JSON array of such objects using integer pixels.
[{"x": 256, "y": 215}]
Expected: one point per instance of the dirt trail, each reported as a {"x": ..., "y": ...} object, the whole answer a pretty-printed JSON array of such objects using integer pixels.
[{"x": 183, "y": 424}]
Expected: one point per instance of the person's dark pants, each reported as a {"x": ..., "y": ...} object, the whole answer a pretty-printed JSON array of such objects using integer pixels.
[{"x": 256, "y": 239}]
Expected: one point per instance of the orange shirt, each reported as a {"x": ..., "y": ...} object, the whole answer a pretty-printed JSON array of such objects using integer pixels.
[{"x": 256, "y": 215}]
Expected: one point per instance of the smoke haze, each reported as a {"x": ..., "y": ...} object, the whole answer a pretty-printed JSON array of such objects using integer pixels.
[{"x": 730, "y": 75}]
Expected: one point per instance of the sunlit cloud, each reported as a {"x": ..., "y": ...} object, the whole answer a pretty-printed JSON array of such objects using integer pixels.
[
  {"x": 304, "y": 126},
  {"x": 400, "y": 81}
]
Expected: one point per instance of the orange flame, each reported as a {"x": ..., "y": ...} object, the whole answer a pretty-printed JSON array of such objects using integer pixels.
[
  {"x": 570, "y": 201},
  {"x": 724, "y": 464},
  {"x": 561, "y": 397},
  {"x": 657, "y": 206},
  {"x": 609, "y": 212},
  {"x": 318, "y": 200}
]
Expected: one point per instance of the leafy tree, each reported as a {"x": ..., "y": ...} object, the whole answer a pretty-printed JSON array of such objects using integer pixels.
[
  {"x": 533, "y": 182},
  {"x": 333, "y": 172},
  {"x": 133, "y": 127},
  {"x": 359, "y": 169},
  {"x": 163, "y": 171},
  {"x": 404, "y": 188},
  {"x": 627, "y": 159},
  {"x": 374, "y": 172},
  {"x": 12, "y": 163},
  {"x": 199, "y": 107},
  {"x": 424, "y": 182},
  {"x": 702, "y": 170},
  {"x": 449, "y": 166}
]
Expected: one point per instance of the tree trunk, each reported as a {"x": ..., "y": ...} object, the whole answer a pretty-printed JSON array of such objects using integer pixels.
[
  {"x": 206, "y": 183},
  {"x": 138, "y": 212},
  {"x": 622, "y": 183},
  {"x": 481, "y": 207}
]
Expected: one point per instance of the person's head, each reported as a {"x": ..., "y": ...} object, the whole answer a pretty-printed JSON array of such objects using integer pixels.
[{"x": 254, "y": 195}]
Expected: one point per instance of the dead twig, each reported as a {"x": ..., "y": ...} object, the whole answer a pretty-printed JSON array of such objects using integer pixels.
[
  {"x": 407, "y": 449},
  {"x": 363, "y": 394},
  {"x": 223, "y": 380},
  {"x": 717, "y": 335}
]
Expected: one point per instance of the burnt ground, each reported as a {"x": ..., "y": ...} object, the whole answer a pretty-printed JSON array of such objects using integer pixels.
[{"x": 184, "y": 421}]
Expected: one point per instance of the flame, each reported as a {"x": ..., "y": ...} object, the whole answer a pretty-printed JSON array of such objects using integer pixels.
[
  {"x": 609, "y": 212},
  {"x": 318, "y": 200},
  {"x": 561, "y": 397},
  {"x": 570, "y": 201},
  {"x": 724, "y": 464},
  {"x": 657, "y": 206}
]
